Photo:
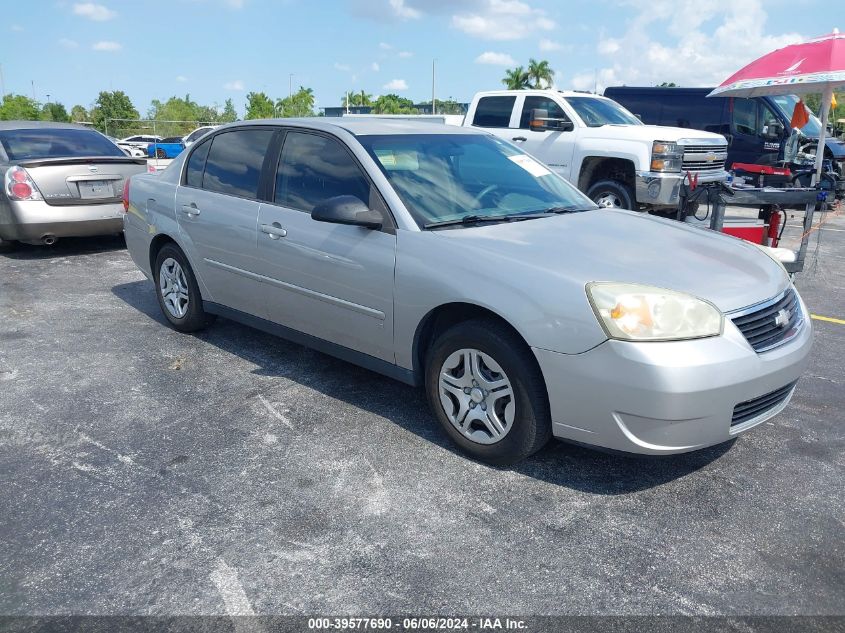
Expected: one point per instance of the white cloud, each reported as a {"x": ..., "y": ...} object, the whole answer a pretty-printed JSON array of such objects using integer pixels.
[
  {"x": 235, "y": 4},
  {"x": 547, "y": 45},
  {"x": 17, "y": 28},
  {"x": 341, "y": 67},
  {"x": 403, "y": 11},
  {"x": 503, "y": 20},
  {"x": 396, "y": 84},
  {"x": 66, "y": 43},
  {"x": 92, "y": 11},
  {"x": 405, "y": 54},
  {"x": 375, "y": 67},
  {"x": 237, "y": 84},
  {"x": 385, "y": 46},
  {"x": 702, "y": 43},
  {"x": 181, "y": 78},
  {"x": 495, "y": 59},
  {"x": 107, "y": 46}
]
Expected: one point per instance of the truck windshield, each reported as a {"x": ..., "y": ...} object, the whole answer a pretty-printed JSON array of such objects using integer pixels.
[
  {"x": 597, "y": 112},
  {"x": 786, "y": 105},
  {"x": 445, "y": 178}
]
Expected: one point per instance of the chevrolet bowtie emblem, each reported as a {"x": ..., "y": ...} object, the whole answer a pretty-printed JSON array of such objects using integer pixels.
[{"x": 782, "y": 318}]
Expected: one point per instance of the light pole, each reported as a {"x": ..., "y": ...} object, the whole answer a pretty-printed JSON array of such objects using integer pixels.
[
  {"x": 433, "y": 98},
  {"x": 290, "y": 84}
]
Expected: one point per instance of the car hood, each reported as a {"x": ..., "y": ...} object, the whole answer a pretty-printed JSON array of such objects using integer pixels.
[
  {"x": 626, "y": 246},
  {"x": 651, "y": 133}
]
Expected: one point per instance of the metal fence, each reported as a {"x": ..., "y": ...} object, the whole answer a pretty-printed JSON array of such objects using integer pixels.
[{"x": 121, "y": 128}]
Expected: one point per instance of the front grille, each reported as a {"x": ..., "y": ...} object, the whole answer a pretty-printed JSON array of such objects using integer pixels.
[
  {"x": 771, "y": 324},
  {"x": 704, "y": 158},
  {"x": 745, "y": 411}
]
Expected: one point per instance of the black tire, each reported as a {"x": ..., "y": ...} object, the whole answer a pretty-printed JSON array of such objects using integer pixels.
[
  {"x": 195, "y": 317},
  {"x": 612, "y": 194},
  {"x": 160, "y": 153},
  {"x": 531, "y": 427}
]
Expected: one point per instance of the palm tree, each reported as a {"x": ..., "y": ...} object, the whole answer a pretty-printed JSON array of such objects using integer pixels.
[
  {"x": 516, "y": 79},
  {"x": 540, "y": 73},
  {"x": 357, "y": 99}
]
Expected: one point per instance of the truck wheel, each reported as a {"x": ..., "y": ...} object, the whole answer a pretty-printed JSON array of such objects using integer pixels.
[{"x": 611, "y": 194}]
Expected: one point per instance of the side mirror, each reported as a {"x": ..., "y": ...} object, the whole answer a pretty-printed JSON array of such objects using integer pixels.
[
  {"x": 347, "y": 210},
  {"x": 773, "y": 130},
  {"x": 540, "y": 122}
]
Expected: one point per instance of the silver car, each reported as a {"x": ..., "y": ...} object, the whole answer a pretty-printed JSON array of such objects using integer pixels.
[
  {"x": 447, "y": 258},
  {"x": 60, "y": 180}
]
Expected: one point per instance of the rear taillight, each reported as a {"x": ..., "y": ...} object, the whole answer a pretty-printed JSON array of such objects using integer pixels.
[
  {"x": 126, "y": 195},
  {"x": 19, "y": 185}
]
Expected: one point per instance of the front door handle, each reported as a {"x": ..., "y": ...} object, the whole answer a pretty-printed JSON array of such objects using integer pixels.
[
  {"x": 519, "y": 139},
  {"x": 190, "y": 210},
  {"x": 274, "y": 231}
]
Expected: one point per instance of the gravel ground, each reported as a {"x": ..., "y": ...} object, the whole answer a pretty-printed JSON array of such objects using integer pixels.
[{"x": 149, "y": 472}]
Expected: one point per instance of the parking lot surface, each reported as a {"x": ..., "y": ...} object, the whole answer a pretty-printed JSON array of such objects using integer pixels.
[{"x": 149, "y": 472}]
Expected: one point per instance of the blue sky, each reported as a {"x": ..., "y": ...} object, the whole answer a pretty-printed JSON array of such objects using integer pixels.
[{"x": 216, "y": 49}]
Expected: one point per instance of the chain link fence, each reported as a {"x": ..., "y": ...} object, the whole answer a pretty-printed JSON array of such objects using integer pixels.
[{"x": 121, "y": 128}]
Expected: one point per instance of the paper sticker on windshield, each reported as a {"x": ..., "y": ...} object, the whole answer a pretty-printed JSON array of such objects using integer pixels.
[
  {"x": 406, "y": 160},
  {"x": 530, "y": 165}
]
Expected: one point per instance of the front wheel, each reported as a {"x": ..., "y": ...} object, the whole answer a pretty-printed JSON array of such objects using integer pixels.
[
  {"x": 487, "y": 392},
  {"x": 177, "y": 291},
  {"x": 611, "y": 194}
]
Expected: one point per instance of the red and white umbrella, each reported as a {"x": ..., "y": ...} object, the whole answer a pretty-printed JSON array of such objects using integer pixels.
[{"x": 817, "y": 65}]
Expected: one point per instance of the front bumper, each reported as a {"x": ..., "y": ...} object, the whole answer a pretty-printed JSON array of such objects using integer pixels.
[
  {"x": 661, "y": 189},
  {"x": 666, "y": 397},
  {"x": 32, "y": 220}
]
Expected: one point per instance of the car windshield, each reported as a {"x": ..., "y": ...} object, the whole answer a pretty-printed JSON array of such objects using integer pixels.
[
  {"x": 597, "y": 112},
  {"x": 56, "y": 143},
  {"x": 444, "y": 178},
  {"x": 786, "y": 105}
]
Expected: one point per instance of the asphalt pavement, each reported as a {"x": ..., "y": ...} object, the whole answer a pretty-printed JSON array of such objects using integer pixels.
[{"x": 143, "y": 471}]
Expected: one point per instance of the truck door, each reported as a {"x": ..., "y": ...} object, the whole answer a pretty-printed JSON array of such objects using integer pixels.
[
  {"x": 757, "y": 132},
  {"x": 553, "y": 147}
]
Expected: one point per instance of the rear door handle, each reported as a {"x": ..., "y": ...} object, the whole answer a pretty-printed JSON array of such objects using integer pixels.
[
  {"x": 274, "y": 231},
  {"x": 190, "y": 210},
  {"x": 519, "y": 139}
]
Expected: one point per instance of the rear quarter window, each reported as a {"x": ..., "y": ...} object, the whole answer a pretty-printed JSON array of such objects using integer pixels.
[
  {"x": 493, "y": 111},
  {"x": 196, "y": 165}
]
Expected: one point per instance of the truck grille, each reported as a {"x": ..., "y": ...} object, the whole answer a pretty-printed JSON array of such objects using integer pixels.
[
  {"x": 773, "y": 323},
  {"x": 750, "y": 409},
  {"x": 704, "y": 158}
]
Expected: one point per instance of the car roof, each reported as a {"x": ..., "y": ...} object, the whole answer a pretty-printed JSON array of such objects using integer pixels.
[
  {"x": 364, "y": 126},
  {"x": 28, "y": 125}
]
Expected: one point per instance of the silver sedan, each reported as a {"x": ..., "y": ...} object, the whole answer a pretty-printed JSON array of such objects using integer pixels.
[{"x": 447, "y": 258}]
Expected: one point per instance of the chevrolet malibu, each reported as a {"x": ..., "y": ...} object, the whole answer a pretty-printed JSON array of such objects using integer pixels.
[
  {"x": 60, "y": 180},
  {"x": 449, "y": 259}
]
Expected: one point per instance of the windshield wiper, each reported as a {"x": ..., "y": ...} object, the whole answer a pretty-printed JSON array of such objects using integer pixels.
[{"x": 474, "y": 219}]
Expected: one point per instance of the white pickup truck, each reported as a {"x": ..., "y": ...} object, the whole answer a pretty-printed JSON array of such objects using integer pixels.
[{"x": 597, "y": 144}]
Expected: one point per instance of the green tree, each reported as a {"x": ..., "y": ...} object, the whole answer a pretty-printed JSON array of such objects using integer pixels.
[
  {"x": 667, "y": 84},
  {"x": 18, "y": 108},
  {"x": 357, "y": 99},
  {"x": 516, "y": 79},
  {"x": 78, "y": 114},
  {"x": 258, "y": 106},
  {"x": 54, "y": 112},
  {"x": 447, "y": 106},
  {"x": 540, "y": 73},
  {"x": 301, "y": 103},
  {"x": 814, "y": 102},
  {"x": 229, "y": 114},
  {"x": 394, "y": 104},
  {"x": 110, "y": 106}
]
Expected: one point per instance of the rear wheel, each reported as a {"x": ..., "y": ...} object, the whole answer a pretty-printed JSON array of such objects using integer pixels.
[
  {"x": 611, "y": 194},
  {"x": 177, "y": 291},
  {"x": 487, "y": 392},
  {"x": 160, "y": 153}
]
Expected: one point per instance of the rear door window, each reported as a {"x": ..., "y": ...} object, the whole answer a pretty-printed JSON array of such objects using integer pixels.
[
  {"x": 234, "y": 162},
  {"x": 494, "y": 111},
  {"x": 541, "y": 103},
  {"x": 314, "y": 168}
]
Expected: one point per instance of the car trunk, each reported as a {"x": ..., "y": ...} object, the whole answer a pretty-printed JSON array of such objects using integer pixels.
[{"x": 78, "y": 181}]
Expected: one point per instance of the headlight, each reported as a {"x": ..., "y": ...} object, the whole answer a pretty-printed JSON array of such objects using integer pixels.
[
  {"x": 632, "y": 312},
  {"x": 666, "y": 156}
]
